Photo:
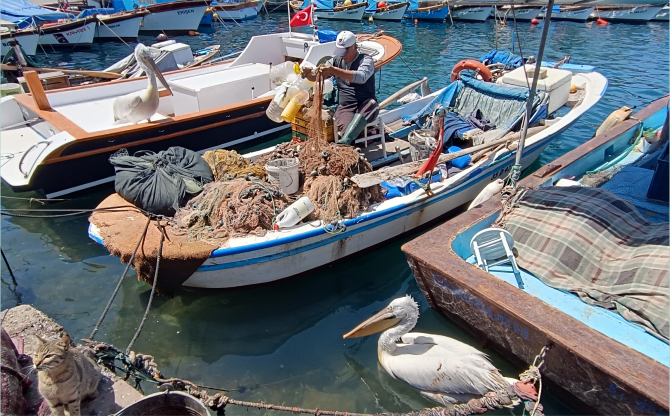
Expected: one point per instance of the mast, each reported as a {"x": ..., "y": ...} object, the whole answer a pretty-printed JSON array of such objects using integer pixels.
[
  {"x": 531, "y": 96},
  {"x": 288, "y": 8}
]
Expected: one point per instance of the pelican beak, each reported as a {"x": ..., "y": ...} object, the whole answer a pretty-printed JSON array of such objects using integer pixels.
[
  {"x": 382, "y": 321},
  {"x": 159, "y": 75}
]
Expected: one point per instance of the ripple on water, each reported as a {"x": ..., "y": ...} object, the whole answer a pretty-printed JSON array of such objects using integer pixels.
[{"x": 282, "y": 343}]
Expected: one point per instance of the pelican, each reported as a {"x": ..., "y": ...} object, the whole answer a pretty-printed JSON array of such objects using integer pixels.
[
  {"x": 488, "y": 192},
  {"x": 141, "y": 105},
  {"x": 442, "y": 369}
]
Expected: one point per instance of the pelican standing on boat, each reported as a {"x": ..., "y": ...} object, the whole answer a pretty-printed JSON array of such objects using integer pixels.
[
  {"x": 143, "y": 104},
  {"x": 442, "y": 369}
]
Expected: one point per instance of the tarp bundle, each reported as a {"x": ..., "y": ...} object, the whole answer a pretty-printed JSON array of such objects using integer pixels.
[
  {"x": 93, "y": 12},
  {"x": 25, "y": 14},
  {"x": 590, "y": 242},
  {"x": 510, "y": 60},
  {"x": 160, "y": 182}
]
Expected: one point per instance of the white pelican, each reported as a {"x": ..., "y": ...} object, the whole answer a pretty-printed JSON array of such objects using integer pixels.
[
  {"x": 442, "y": 369},
  {"x": 491, "y": 189},
  {"x": 141, "y": 105}
]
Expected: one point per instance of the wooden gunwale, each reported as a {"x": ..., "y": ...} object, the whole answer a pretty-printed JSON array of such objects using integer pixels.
[
  {"x": 166, "y": 7},
  {"x": 431, "y": 7},
  {"x": 393, "y": 6},
  {"x": 433, "y": 253},
  {"x": 392, "y": 48},
  {"x": 66, "y": 26},
  {"x": 19, "y": 33},
  {"x": 234, "y": 6},
  {"x": 352, "y": 7}
]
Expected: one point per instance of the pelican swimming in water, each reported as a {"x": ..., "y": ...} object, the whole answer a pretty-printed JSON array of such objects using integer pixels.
[
  {"x": 442, "y": 369},
  {"x": 141, "y": 105}
]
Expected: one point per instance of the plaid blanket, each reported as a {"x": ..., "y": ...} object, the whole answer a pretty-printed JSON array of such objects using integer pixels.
[{"x": 590, "y": 242}]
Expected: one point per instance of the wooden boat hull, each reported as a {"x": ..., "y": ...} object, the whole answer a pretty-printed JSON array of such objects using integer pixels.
[
  {"x": 125, "y": 27},
  {"x": 472, "y": 14},
  {"x": 394, "y": 13},
  {"x": 173, "y": 18},
  {"x": 78, "y": 34},
  {"x": 590, "y": 370},
  {"x": 28, "y": 41},
  {"x": 354, "y": 12},
  {"x": 641, "y": 14}
]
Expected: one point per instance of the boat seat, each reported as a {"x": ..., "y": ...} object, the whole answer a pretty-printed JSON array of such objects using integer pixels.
[
  {"x": 493, "y": 246},
  {"x": 379, "y": 125}
]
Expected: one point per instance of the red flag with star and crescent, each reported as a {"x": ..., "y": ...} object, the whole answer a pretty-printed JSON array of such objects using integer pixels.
[{"x": 302, "y": 18}]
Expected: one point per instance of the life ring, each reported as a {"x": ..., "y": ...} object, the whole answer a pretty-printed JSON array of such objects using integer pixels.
[{"x": 472, "y": 65}]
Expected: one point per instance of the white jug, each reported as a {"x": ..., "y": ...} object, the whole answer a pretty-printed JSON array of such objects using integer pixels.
[{"x": 294, "y": 213}]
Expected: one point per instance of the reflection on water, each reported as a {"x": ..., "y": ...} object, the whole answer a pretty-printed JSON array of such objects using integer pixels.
[{"x": 282, "y": 343}]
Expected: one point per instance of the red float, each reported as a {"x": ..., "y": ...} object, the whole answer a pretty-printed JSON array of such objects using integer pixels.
[
  {"x": 535, "y": 21},
  {"x": 472, "y": 65},
  {"x": 381, "y": 5}
]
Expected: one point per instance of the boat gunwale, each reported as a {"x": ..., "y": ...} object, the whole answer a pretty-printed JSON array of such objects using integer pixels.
[
  {"x": 434, "y": 251},
  {"x": 113, "y": 18}
]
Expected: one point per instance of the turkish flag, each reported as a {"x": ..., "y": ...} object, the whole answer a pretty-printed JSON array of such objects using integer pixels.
[{"x": 302, "y": 18}]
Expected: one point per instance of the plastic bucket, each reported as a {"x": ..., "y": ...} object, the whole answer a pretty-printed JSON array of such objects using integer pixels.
[
  {"x": 172, "y": 403},
  {"x": 9, "y": 89},
  {"x": 285, "y": 174}
]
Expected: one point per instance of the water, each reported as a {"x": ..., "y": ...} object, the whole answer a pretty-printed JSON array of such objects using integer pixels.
[{"x": 281, "y": 343}]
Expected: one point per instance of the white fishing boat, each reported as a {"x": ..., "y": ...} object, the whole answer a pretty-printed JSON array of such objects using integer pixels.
[
  {"x": 254, "y": 259},
  {"x": 27, "y": 38},
  {"x": 571, "y": 13},
  {"x": 433, "y": 11},
  {"x": 327, "y": 10},
  {"x": 461, "y": 11},
  {"x": 171, "y": 17},
  {"x": 75, "y": 34},
  {"x": 639, "y": 14},
  {"x": 520, "y": 13},
  {"x": 391, "y": 11},
  {"x": 59, "y": 142},
  {"x": 120, "y": 25},
  {"x": 236, "y": 10}
]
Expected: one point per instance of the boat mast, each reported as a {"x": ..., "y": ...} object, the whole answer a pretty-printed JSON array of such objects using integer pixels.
[
  {"x": 516, "y": 169},
  {"x": 288, "y": 9}
]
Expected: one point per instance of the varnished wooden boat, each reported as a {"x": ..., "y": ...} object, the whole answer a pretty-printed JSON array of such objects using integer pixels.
[
  {"x": 64, "y": 147},
  {"x": 428, "y": 10},
  {"x": 590, "y": 371},
  {"x": 392, "y": 11}
]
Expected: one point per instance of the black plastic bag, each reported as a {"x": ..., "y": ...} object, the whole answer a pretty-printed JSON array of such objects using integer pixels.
[{"x": 160, "y": 182}]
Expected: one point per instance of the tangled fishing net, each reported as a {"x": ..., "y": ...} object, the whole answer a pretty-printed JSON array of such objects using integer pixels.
[
  {"x": 230, "y": 209},
  {"x": 228, "y": 165}
]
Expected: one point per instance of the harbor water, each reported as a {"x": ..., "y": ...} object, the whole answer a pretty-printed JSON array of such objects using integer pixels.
[{"x": 282, "y": 343}]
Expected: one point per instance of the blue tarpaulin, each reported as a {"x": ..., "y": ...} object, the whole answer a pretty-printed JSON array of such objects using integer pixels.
[
  {"x": 324, "y": 4},
  {"x": 443, "y": 99},
  {"x": 24, "y": 13},
  {"x": 413, "y": 5},
  {"x": 510, "y": 60},
  {"x": 93, "y": 12},
  {"x": 372, "y": 6}
]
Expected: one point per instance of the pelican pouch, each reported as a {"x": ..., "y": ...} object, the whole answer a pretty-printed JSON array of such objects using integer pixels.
[{"x": 160, "y": 182}]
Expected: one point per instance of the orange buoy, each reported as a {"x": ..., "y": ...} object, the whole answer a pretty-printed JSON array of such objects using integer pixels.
[
  {"x": 416, "y": 21},
  {"x": 472, "y": 65},
  {"x": 535, "y": 21},
  {"x": 193, "y": 33},
  {"x": 602, "y": 21},
  {"x": 381, "y": 5}
]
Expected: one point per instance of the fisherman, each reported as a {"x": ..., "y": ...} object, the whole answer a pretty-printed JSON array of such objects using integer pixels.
[{"x": 355, "y": 76}]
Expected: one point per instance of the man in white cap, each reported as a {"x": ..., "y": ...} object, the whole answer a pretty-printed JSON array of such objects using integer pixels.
[{"x": 355, "y": 76}]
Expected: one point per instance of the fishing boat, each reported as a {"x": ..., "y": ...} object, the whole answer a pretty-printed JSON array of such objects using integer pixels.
[
  {"x": 574, "y": 13},
  {"x": 470, "y": 12},
  {"x": 639, "y": 14},
  {"x": 598, "y": 361},
  {"x": 256, "y": 259},
  {"x": 27, "y": 38},
  {"x": 234, "y": 10},
  {"x": 521, "y": 12},
  {"x": 663, "y": 15},
  {"x": 330, "y": 10},
  {"x": 74, "y": 34},
  {"x": 166, "y": 16},
  {"x": 435, "y": 11},
  {"x": 114, "y": 25},
  {"x": 61, "y": 144},
  {"x": 392, "y": 11}
]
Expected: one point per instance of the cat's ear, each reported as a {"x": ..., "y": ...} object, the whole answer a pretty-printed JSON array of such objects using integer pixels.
[
  {"x": 42, "y": 340},
  {"x": 65, "y": 342}
]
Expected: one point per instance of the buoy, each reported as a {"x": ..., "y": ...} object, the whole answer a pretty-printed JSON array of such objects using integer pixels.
[
  {"x": 472, "y": 65},
  {"x": 370, "y": 19},
  {"x": 535, "y": 21},
  {"x": 193, "y": 33},
  {"x": 161, "y": 38},
  {"x": 215, "y": 16},
  {"x": 573, "y": 88},
  {"x": 347, "y": 2},
  {"x": 602, "y": 21},
  {"x": 381, "y": 5},
  {"x": 416, "y": 21}
]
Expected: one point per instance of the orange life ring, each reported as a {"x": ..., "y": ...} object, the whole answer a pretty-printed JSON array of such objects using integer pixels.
[{"x": 473, "y": 65}]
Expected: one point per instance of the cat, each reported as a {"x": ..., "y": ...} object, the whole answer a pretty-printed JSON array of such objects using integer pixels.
[{"x": 66, "y": 376}]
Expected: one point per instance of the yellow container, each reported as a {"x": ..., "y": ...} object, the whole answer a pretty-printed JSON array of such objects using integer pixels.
[{"x": 291, "y": 110}]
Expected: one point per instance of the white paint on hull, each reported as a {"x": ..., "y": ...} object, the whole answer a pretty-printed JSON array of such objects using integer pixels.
[
  {"x": 355, "y": 14},
  {"x": 579, "y": 15},
  {"x": 28, "y": 43},
  {"x": 472, "y": 14},
  {"x": 521, "y": 14},
  {"x": 174, "y": 20},
  {"x": 124, "y": 29},
  {"x": 636, "y": 14},
  {"x": 392, "y": 15},
  {"x": 80, "y": 36}
]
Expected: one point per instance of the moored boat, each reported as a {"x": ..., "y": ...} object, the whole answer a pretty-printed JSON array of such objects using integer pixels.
[
  {"x": 435, "y": 11},
  {"x": 393, "y": 11},
  {"x": 65, "y": 142},
  {"x": 663, "y": 15},
  {"x": 622, "y": 14},
  {"x": 596, "y": 360},
  {"x": 75, "y": 34},
  {"x": 574, "y": 13},
  {"x": 522, "y": 12},
  {"x": 238, "y": 10},
  {"x": 171, "y": 17},
  {"x": 119, "y": 25},
  {"x": 328, "y": 10},
  {"x": 27, "y": 38},
  {"x": 470, "y": 13},
  {"x": 275, "y": 255}
]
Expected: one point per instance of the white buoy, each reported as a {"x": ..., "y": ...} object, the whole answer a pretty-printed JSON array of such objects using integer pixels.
[{"x": 294, "y": 213}]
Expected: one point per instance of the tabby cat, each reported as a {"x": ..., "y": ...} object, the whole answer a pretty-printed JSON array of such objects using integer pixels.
[{"x": 66, "y": 376}]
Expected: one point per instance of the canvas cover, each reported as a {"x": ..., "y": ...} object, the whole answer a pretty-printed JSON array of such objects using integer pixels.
[
  {"x": 25, "y": 14},
  {"x": 590, "y": 242}
]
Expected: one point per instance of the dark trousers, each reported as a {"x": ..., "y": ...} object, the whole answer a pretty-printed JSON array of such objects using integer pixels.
[{"x": 344, "y": 113}]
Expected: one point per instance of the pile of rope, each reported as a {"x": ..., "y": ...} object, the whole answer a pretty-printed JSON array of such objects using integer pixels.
[
  {"x": 142, "y": 367},
  {"x": 228, "y": 165},
  {"x": 230, "y": 209}
]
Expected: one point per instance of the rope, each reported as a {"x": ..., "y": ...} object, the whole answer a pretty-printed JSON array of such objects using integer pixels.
[
  {"x": 118, "y": 285},
  {"x": 110, "y": 29},
  {"x": 11, "y": 273},
  {"x": 153, "y": 288},
  {"x": 159, "y": 27},
  {"x": 408, "y": 67},
  {"x": 21, "y": 123}
]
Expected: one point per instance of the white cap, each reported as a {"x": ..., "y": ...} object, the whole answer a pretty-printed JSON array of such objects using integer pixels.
[{"x": 345, "y": 39}]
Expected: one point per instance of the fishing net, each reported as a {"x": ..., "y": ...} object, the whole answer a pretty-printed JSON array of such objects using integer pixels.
[
  {"x": 596, "y": 179},
  {"x": 228, "y": 165},
  {"x": 230, "y": 209}
]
